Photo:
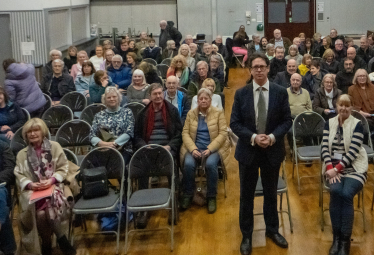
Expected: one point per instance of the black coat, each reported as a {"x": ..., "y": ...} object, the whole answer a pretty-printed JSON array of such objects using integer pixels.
[
  {"x": 174, "y": 128},
  {"x": 70, "y": 62},
  {"x": 170, "y": 33},
  {"x": 309, "y": 84},
  {"x": 283, "y": 79},
  {"x": 47, "y": 69},
  {"x": 332, "y": 68},
  {"x": 344, "y": 80},
  {"x": 340, "y": 55},
  {"x": 276, "y": 66},
  {"x": 320, "y": 102},
  {"x": 359, "y": 63},
  {"x": 365, "y": 55},
  {"x": 65, "y": 85},
  {"x": 152, "y": 77},
  {"x": 12, "y": 116},
  {"x": 243, "y": 123},
  {"x": 155, "y": 54},
  {"x": 7, "y": 164}
]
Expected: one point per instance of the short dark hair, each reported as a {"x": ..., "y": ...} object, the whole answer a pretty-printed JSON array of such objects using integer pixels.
[
  {"x": 98, "y": 75},
  {"x": 88, "y": 63},
  {"x": 345, "y": 59},
  {"x": 6, "y": 97},
  {"x": 154, "y": 86},
  {"x": 315, "y": 63},
  {"x": 7, "y": 62},
  {"x": 258, "y": 55}
]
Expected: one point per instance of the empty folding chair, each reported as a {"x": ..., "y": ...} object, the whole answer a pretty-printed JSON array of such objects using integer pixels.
[
  {"x": 75, "y": 101},
  {"x": 166, "y": 61},
  {"x": 162, "y": 70},
  {"x": 56, "y": 116},
  {"x": 88, "y": 113},
  {"x": 135, "y": 107},
  {"x": 26, "y": 112}
]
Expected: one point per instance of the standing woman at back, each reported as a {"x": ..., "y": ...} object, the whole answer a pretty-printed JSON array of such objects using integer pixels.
[
  {"x": 239, "y": 41},
  {"x": 22, "y": 87}
]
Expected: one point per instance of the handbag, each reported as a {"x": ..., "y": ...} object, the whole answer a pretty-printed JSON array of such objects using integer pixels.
[{"x": 94, "y": 182}]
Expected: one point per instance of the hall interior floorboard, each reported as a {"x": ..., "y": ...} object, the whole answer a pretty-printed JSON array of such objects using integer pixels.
[{"x": 201, "y": 233}]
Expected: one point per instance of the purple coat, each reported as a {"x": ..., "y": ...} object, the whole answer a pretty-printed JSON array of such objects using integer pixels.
[{"x": 22, "y": 87}]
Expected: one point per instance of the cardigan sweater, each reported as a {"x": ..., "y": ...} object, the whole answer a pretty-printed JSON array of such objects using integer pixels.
[
  {"x": 363, "y": 99},
  {"x": 299, "y": 102}
]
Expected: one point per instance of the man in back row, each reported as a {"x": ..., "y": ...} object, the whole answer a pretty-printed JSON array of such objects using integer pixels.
[{"x": 278, "y": 40}]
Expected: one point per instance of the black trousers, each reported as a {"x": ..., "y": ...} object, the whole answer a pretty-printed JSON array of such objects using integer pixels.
[{"x": 248, "y": 180}]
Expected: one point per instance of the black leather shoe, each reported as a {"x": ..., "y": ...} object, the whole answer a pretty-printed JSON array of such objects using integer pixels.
[
  {"x": 345, "y": 246},
  {"x": 246, "y": 246},
  {"x": 142, "y": 220},
  {"x": 334, "y": 249},
  {"x": 278, "y": 239}
]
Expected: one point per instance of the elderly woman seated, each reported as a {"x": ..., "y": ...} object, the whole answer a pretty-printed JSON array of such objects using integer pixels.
[
  {"x": 294, "y": 54},
  {"x": 76, "y": 69},
  {"x": 114, "y": 126},
  {"x": 217, "y": 70},
  {"x": 329, "y": 63},
  {"x": 170, "y": 50},
  {"x": 176, "y": 97},
  {"x": 11, "y": 117},
  {"x": 97, "y": 86},
  {"x": 138, "y": 90},
  {"x": 82, "y": 82},
  {"x": 216, "y": 99},
  {"x": 345, "y": 166},
  {"x": 270, "y": 51},
  {"x": 53, "y": 55},
  {"x": 57, "y": 84},
  {"x": 179, "y": 68},
  {"x": 205, "y": 139},
  {"x": 184, "y": 50},
  {"x": 325, "y": 98},
  {"x": 40, "y": 166}
]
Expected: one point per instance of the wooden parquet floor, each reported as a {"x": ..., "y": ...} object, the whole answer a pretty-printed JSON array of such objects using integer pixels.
[{"x": 200, "y": 233}]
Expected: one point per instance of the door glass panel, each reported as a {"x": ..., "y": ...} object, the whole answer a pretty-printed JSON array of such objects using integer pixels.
[
  {"x": 300, "y": 11},
  {"x": 277, "y": 11}
]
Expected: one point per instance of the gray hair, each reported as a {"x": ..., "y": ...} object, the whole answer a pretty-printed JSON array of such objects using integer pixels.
[
  {"x": 216, "y": 57},
  {"x": 193, "y": 44},
  {"x": 109, "y": 90},
  {"x": 364, "y": 37},
  {"x": 205, "y": 91},
  {"x": 255, "y": 36},
  {"x": 293, "y": 46},
  {"x": 54, "y": 51},
  {"x": 58, "y": 61},
  {"x": 172, "y": 76},
  {"x": 169, "y": 42},
  {"x": 163, "y": 22},
  {"x": 202, "y": 62},
  {"x": 189, "y": 37},
  {"x": 117, "y": 56},
  {"x": 154, "y": 86},
  {"x": 269, "y": 45}
]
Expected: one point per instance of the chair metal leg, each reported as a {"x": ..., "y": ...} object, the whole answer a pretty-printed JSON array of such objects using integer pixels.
[
  {"x": 172, "y": 222},
  {"x": 372, "y": 201},
  {"x": 358, "y": 200},
  {"x": 363, "y": 209},
  {"x": 322, "y": 218},
  {"x": 127, "y": 230},
  {"x": 297, "y": 174},
  {"x": 289, "y": 211},
  {"x": 280, "y": 202}
]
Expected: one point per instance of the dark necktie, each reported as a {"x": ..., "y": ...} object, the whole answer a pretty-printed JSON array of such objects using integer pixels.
[{"x": 262, "y": 114}]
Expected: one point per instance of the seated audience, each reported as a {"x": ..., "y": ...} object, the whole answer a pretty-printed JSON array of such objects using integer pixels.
[
  {"x": 270, "y": 51},
  {"x": 317, "y": 43},
  {"x": 309, "y": 47},
  {"x": 207, "y": 52},
  {"x": 284, "y": 78},
  {"x": 76, "y": 69},
  {"x": 326, "y": 44},
  {"x": 294, "y": 54},
  {"x": 325, "y": 98},
  {"x": 340, "y": 51},
  {"x": 57, "y": 84},
  {"x": 344, "y": 78},
  {"x": 365, "y": 51},
  {"x": 71, "y": 58},
  {"x": 344, "y": 167},
  {"x": 194, "y": 54},
  {"x": 170, "y": 50},
  {"x": 143, "y": 43},
  {"x": 11, "y": 117},
  {"x": 176, "y": 97},
  {"x": 132, "y": 48},
  {"x": 83, "y": 81},
  {"x": 204, "y": 138},
  {"x": 313, "y": 78},
  {"x": 298, "y": 97},
  {"x": 305, "y": 64},
  {"x": 359, "y": 62},
  {"x": 137, "y": 91},
  {"x": 238, "y": 46},
  {"x": 124, "y": 49},
  {"x": 132, "y": 61},
  {"x": 300, "y": 45},
  {"x": 108, "y": 60},
  {"x": 150, "y": 73},
  {"x": 216, "y": 99},
  {"x": 158, "y": 123},
  {"x": 217, "y": 71},
  {"x": 179, "y": 68},
  {"x": 120, "y": 73},
  {"x": 188, "y": 40},
  {"x": 184, "y": 51},
  {"x": 254, "y": 45},
  {"x": 198, "y": 77},
  {"x": 221, "y": 48},
  {"x": 334, "y": 37},
  {"x": 47, "y": 216},
  {"x": 97, "y": 87},
  {"x": 371, "y": 40},
  {"x": 362, "y": 93},
  {"x": 280, "y": 41},
  {"x": 168, "y": 31},
  {"x": 152, "y": 51},
  {"x": 349, "y": 42},
  {"x": 263, "y": 44},
  {"x": 8, "y": 244},
  {"x": 222, "y": 64},
  {"x": 108, "y": 45},
  {"x": 98, "y": 59},
  {"x": 328, "y": 62},
  {"x": 277, "y": 64},
  {"x": 115, "y": 123},
  {"x": 22, "y": 88},
  {"x": 53, "y": 55}
]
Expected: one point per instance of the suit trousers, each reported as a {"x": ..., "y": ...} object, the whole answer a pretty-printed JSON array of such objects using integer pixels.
[{"x": 248, "y": 179}]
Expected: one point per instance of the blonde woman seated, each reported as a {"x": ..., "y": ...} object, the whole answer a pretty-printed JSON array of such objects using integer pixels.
[
  {"x": 345, "y": 165},
  {"x": 179, "y": 68},
  {"x": 138, "y": 89},
  {"x": 216, "y": 99},
  {"x": 185, "y": 51},
  {"x": 294, "y": 54},
  {"x": 204, "y": 137},
  {"x": 305, "y": 64},
  {"x": 39, "y": 166}
]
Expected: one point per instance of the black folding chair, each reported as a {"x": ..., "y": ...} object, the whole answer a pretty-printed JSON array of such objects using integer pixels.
[
  {"x": 150, "y": 60},
  {"x": 56, "y": 116},
  {"x": 75, "y": 101},
  {"x": 135, "y": 107},
  {"x": 162, "y": 70},
  {"x": 166, "y": 61},
  {"x": 26, "y": 112},
  {"x": 88, "y": 113}
]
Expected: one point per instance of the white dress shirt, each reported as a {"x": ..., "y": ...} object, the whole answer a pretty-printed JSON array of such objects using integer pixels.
[{"x": 256, "y": 95}]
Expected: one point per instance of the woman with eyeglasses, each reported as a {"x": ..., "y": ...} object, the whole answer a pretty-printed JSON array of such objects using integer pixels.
[{"x": 179, "y": 68}]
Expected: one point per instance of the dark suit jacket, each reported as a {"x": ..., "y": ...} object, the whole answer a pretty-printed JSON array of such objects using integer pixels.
[{"x": 243, "y": 123}]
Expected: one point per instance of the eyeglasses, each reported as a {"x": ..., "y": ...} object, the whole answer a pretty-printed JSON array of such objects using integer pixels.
[
  {"x": 262, "y": 68},
  {"x": 361, "y": 76}
]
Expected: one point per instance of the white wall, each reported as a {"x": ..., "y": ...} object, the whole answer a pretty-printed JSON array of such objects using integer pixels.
[{"x": 29, "y": 5}]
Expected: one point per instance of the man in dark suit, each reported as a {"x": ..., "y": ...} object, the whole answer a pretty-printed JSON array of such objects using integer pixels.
[{"x": 260, "y": 118}]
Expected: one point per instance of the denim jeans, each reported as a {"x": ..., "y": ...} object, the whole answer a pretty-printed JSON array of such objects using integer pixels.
[
  {"x": 341, "y": 204},
  {"x": 211, "y": 170},
  {"x": 7, "y": 241}
]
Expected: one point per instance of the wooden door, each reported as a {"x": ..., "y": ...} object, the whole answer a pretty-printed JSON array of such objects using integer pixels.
[{"x": 290, "y": 16}]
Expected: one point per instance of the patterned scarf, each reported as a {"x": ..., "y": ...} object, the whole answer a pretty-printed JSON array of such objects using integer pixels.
[{"x": 43, "y": 169}]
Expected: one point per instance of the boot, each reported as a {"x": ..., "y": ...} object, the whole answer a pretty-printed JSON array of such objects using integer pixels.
[
  {"x": 335, "y": 244},
  {"x": 46, "y": 248},
  {"x": 65, "y": 246},
  {"x": 345, "y": 245}
]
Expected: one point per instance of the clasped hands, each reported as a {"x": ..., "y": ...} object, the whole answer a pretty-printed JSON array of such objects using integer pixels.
[
  {"x": 197, "y": 154},
  {"x": 333, "y": 176},
  {"x": 43, "y": 184},
  {"x": 263, "y": 140}
]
